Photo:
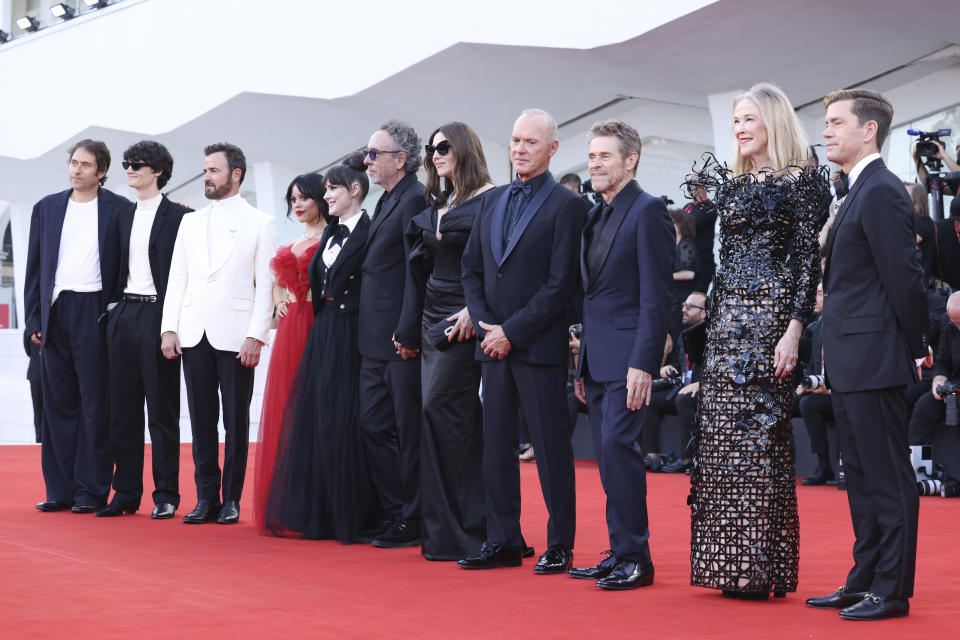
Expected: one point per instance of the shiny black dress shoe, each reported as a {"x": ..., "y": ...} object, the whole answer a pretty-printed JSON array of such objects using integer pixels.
[
  {"x": 839, "y": 599},
  {"x": 818, "y": 478},
  {"x": 229, "y": 513},
  {"x": 627, "y": 574},
  {"x": 491, "y": 556},
  {"x": 597, "y": 571},
  {"x": 400, "y": 535},
  {"x": 205, "y": 511},
  {"x": 163, "y": 511},
  {"x": 528, "y": 551},
  {"x": 116, "y": 509},
  {"x": 556, "y": 559},
  {"x": 84, "y": 508},
  {"x": 49, "y": 505},
  {"x": 874, "y": 607}
]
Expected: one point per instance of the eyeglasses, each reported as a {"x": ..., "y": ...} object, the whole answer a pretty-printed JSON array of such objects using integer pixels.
[
  {"x": 442, "y": 148},
  {"x": 136, "y": 166},
  {"x": 689, "y": 305},
  {"x": 372, "y": 153}
]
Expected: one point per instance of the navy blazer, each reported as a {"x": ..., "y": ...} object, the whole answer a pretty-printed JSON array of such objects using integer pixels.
[
  {"x": 343, "y": 278},
  {"x": 384, "y": 271},
  {"x": 46, "y": 226},
  {"x": 163, "y": 235},
  {"x": 527, "y": 285},
  {"x": 626, "y": 305},
  {"x": 874, "y": 305}
]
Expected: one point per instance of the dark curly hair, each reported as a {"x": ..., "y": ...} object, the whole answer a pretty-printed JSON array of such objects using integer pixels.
[
  {"x": 311, "y": 186},
  {"x": 235, "y": 157},
  {"x": 100, "y": 153},
  {"x": 351, "y": 170},
  {"x": 155, "y": 155}
]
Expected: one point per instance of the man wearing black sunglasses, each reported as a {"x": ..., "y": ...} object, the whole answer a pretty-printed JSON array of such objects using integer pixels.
[
  {"x": 390, "y": 381},
  {"x": 138, "y": 371}
]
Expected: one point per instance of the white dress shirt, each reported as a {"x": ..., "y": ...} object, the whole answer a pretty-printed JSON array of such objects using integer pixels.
[
  {"x": 140, "y": 280},
  {"x": 78, "y": 263},
  {"x": 331, "y": 251},
  {"x": 220, "y": 213},
  {"x": 858, "y": 168}
]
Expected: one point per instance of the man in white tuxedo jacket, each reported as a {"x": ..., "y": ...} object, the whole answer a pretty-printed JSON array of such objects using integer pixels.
[{"x": 217, "y": 315}]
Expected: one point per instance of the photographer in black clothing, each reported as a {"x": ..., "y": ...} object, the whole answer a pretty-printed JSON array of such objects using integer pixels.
[
  {"x": 931, "y": 409},
  {"x": 704, "y": 214},
  {"x": 816, "y": 406}
]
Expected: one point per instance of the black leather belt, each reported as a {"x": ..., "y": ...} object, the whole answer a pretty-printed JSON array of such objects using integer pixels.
[{"x": 132, "y": 297}]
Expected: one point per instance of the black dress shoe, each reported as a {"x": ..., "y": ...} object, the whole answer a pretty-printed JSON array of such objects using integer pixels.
[
  {"x": 556, "y": 559},
  {"x": 400, "y": 535},
  {"x": 627, "y": 574},
  {"x": 367, "y": 536},
  {"x": 677, "y": 466},
  {"x": 874, "y": 607},
  {"x": 116, "y": 509},
  {"x": 749, "y": 595},
  {"x": 50, "y": 505},
  {"x": 597, "y": 571},
  {"x": 653, "y": 464},
  {"x": 163, "y": 511},
  {"x": 528, "y": 551},
  {"x": 84, "y": 508},
  {"x": 229, "y": 513},
  {"x": 818, "y": 478},
  {"x": 205, "y": 511},
  {"x": 491, "y": 556},
  {"x": 839, "y": 599}
]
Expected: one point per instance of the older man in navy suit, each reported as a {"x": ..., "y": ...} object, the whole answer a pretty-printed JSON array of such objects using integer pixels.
[
  {"x": 519, "y": 276},
  {"x": 72, "y": 264},
  {"x": 626, "y": 261}
]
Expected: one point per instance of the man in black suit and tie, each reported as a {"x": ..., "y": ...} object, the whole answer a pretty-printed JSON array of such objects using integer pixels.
[
  {"x": 390, "y": 381},
  {"x": 626, "y": 264},
  {"x": 519, "y": 275},
  {"x": 72, "y": 264},
  {"x": 874, "y": 319},
  {"x": 138, "y": 370}
]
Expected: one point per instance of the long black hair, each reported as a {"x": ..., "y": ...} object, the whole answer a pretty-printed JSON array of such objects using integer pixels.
[{"x": 311, "y": 185}]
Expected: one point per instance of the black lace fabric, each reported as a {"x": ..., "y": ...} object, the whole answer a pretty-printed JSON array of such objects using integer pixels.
[{"x": 743, "y": 496}]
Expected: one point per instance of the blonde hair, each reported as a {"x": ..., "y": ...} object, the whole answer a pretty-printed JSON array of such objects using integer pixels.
[{"x": 786, "y": 141}]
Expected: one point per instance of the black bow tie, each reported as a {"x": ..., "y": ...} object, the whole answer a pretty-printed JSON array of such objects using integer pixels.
[
  {"x": 841, "y": 186},
  {"x": 339, "y": 235},
  {"x": 518, "y": 186}
]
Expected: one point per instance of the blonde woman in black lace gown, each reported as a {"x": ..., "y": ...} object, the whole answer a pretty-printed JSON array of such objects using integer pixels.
[{"x": 743, "y": 497}]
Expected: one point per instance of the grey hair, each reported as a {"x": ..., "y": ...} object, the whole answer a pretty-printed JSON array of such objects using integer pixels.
[
  {"x": 551, "y": 123},
  {"x": 406, "y": 140},
  {"x": 628, "y": 138}
]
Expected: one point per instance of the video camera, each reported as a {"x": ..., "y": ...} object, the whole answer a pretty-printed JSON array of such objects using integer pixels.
[
  {"x": 926, "y": 148},
  {"x": 936, "y": 178}
]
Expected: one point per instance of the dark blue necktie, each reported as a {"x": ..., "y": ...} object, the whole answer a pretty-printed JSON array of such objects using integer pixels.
[{"x": 519, "y": 195}]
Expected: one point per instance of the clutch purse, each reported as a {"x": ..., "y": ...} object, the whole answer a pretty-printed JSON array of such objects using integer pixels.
[{"x": 438, "y": 335}]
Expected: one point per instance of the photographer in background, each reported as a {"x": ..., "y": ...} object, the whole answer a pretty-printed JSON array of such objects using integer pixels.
[
  {"x": 931, "y": 409},
  {"x": 704, "y": 214},
  {"x": 948, "y": 164},
  {"x": 816, "y": 406},
  {"x": 948, "y": 246}
]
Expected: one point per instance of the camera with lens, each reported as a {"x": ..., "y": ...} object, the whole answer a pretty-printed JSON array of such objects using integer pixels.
[
  {"x": 926, "y": 148},
  {"x": 929, "y": 487},
  {"x": 586, "y": 187},
  {"x": 576, "y": 330},
  {"x": 813, "y": 382},
  {"x": 948, "y": 392},
  {"x": 666, "y": 383}
]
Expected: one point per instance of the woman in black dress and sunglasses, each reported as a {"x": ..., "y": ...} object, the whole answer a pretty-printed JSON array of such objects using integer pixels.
[{"x": 451, "y": 485}]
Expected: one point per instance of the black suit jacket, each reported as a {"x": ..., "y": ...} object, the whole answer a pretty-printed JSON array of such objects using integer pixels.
[
  {"x": 384, "y": 273},
  {"x": 343, "y": 280},
  {"x": 947, "y": 360},
  {"x": 527, "y": 285},
  {"x": 627, "y": 288},
  {"x": 874, "y": 306},
  {"x": 46, "y": 226},
  {"x": 163, "y": 235}
]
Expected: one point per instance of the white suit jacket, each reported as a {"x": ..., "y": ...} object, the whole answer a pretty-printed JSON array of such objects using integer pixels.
[{"x": 228, "y": 297}]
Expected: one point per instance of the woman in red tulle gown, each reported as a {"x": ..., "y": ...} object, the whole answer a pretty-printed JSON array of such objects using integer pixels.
[{"x": 294, "y": 312}]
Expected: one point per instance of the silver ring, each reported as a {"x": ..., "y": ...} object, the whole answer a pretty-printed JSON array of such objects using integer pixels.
[{"x": 789, "y": 367}]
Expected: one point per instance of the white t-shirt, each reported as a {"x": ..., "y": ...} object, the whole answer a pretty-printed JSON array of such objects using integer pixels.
[
  {"x": 78, "y": 263},
  {"x": 140, "y": 280}
]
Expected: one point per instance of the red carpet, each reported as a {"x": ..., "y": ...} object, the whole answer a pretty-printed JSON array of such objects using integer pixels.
[{"x": 69, "y": 576}]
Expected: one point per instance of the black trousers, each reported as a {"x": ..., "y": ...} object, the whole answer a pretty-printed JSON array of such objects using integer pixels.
[
  {"x": 511, "y": 386},
  {"x": 36, "y": 395},
  {"x": 206, "y": 370},
  {"x": 928, "y": 412},
  {"x": 817, "y": 411},
  {"x": 390, "y": 427},
  {"x": 139, "y": 373},
  {"x": 75, "y": 454},
  {"x": 881, "y": 490},
  {"x": 620, "y": 460}
]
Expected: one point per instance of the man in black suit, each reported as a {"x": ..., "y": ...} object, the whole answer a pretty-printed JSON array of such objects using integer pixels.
[
  {"x": 138, "y": 370},
  {"x": 626, "y": 265},
  {"x": 874, "y": 319},
  {"x": 519, "y": 275},
  {"x": 390, "y": 381},
  {"x": 72, "y": 264}
]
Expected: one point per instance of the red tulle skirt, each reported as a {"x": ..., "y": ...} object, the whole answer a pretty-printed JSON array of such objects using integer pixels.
[{"x": 292, "y": 331}]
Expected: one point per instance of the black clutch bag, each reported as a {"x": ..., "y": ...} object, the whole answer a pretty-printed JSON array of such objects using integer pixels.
[{"x": 438, "y": 335}]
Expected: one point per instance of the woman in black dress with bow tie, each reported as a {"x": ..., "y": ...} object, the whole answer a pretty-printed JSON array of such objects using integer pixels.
[{"x": 451, "y": 484}]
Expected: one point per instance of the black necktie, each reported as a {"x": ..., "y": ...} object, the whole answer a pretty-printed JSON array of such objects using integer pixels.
[
  {"x": 593, "y": 240},
  {"x": 339, "y": 235},
  {"x": 519, "y": 194}
]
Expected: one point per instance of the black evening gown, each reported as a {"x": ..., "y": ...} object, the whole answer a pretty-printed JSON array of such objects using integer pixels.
[
  {"x": 320, "y": 488},
  {"x": 452, "y": 497},
  {"x": 686, "y": 260},
  {"x": 745, "y": 530}
]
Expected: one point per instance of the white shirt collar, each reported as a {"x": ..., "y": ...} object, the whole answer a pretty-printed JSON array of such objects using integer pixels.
[
  {"x": 227, "y": 203},
  {"x": 857, "y": 168},
  {"x": 351, "y": 223}
]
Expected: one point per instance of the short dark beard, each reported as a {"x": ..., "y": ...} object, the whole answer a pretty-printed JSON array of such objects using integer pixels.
[{"x": 219, "y": 192}]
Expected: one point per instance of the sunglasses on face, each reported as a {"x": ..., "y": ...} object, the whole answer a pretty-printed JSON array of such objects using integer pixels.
[
  {"x": 689, "y": 305},
  {"x": 372, "y": 153},
  {"x": 136, "y": 166},
  {"x": 442, "y": 148}
]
